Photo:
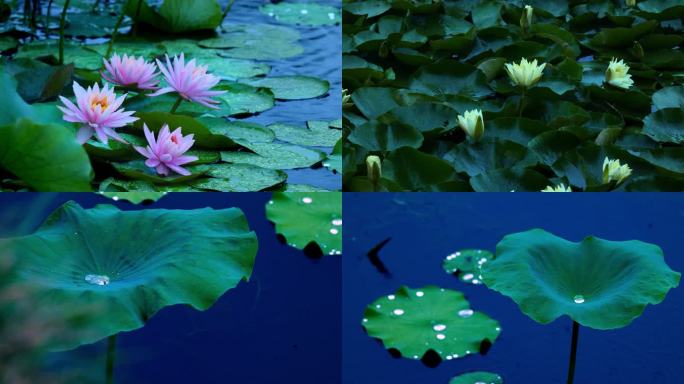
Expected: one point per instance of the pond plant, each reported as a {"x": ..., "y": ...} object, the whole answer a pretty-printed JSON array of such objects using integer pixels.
[
  {"x": 503, "y": 96},
  {"x": 142, "y": 70},
  {"x": 93, "y": 264},
  {"x": 597, "y": 283}
]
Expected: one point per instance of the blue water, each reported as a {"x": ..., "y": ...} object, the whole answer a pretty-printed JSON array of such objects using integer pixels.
[
  {"x": 282, "y": 326},
  {"x": 426, "y": 227}
]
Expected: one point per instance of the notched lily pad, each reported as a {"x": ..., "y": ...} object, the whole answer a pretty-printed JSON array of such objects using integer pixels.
[
  {"x": 83, "y": 258},
  {"x": 479, "y": 377},
  {"x": 304, "y": 218},
  {"x": 598, "y": 283},
  {"x": 303, "y": 13},
  {"x": 419, "y": 323},
  {"x": 466, "y": 264}
]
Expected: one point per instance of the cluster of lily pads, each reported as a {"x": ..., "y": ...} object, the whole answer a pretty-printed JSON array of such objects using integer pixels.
[
  {"x": 513, "y": 95},
  {"x": 219, "y": 69},
  {"x": 597, "y": 283}
]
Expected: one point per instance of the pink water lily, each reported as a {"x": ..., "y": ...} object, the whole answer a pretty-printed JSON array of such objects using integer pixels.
[
  {"x": 167, "y": 151},
  {"x": 129, "y": 71},
  {"x": 191, "y": 81},
  {"x": 98, "y": 110}
]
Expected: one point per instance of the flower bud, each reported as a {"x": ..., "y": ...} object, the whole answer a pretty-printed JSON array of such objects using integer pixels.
[
  {"x": 613, "y": 171},
  {"x": 472, "y": 123}
]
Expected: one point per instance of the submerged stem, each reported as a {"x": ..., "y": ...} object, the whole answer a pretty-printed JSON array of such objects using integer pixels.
[
  {"x": 176, "y": 104},
  {"x": 522, "y": 103},
  {"x": 116, "y": 31},
  {"x": 135, "y": 20},
  {"x": 111, "y": 352},
  {"x": 573, "y": 352},
  {"x": 62, "y": 21},
  {"x": 228, "y": 7}
]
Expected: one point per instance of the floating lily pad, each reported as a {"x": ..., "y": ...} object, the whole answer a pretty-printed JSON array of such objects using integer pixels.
[
  {"x": 416, "y": 321},
  {"x": 80, "y": 55},
  {"x": 139, "y": 171},
  {"x": 303, "y": 13},
  {"x": 598, "y": 283},
  {"x": 480, "y": 377},
  {"x": 304, "y": 218},
  {"x": 77, "y": 258},
  {"x": 292, "y": 87},
  {"x": 274, "y": 156},
  {"x": 467, "y": 264},
  {"x": 257, "y": 42},
  {"x": 665, "y": 125},
  {"x": 238, "y": 178},
  {"x": 177, "y": 16},
  {"x": 334, "y": 159},
  {"x": 134, "y": 197},
  {"x": 318, "y": 134}
]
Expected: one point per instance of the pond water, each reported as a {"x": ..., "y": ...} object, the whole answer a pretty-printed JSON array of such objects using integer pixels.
[
  {"x": 425, "y": 228},
  {"x": 284, "y": 324}
]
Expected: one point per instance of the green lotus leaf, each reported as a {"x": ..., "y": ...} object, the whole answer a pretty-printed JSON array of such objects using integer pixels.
[
  {"x": 669, "y": 97},
  {"x": 292, "y": 87},
  {"x": 466, "y": 264},
  {"x": 134, "y": 197},
  {"x": 370, "y": 8},
  {"x": 665, "y": 125},
  {"x": 415, "y": 321},
  {"x": 334, "y": 159},
  {"x": 598, "y": 283},
  {"x": 374, "y": 101},
  {"x": 256, "y": 41},
  {"x": 304, "y": 218},
  {"x": 318, "y": 134},
  {"x": 303, "y": 13},
  {"x": 97, "y": 258},
  {"x": 274, "y": 155},
  {"x": 80, "y": 55},
  {"x": 451, "y": 77},
  {"x": 7, "y": 43},
  {"x": 236, "y": 178},
  {"x": 238, "y": 130},
  {"x": 177, "y": 16},
  {"x": 376, "y": 136},
  {"x": 514, "y": 179},
  {"x": 414, "y": 170},
  {"x": 203, "y": 137},
  {"x": 479, "y": 377},
  {"x": 138, "y": 170},
  {"x": 482, "y": 156},
  {"x": 426, "y": 117},
  {"x": 231, "y": 69}
]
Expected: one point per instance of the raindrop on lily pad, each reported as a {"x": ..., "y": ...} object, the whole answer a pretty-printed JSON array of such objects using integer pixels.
[
  {"x": 416, "y": 322},
  {"x": 117, "y": 268},
  {"x": 466, "y": 264},
  {"x": 479, "y": 377},
  {"x": 134, "y": 197},
  {"x": 598, "y": 283},
  {"x": 308, "y": 217}
]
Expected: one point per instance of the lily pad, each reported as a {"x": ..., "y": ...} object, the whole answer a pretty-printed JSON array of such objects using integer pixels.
[
  {"x": 665, "y": 125},
  {"x": 304, "y": 218},
  {"x": 256, "y": 41},
  {"x": 77, "y": 258},
  {"x": 238, "y": 178},
  {"x": 318, "y": 134},
  {"x": 598, "y": 283},
  {"x": 292, "y": 87},
  {"x": 274, "y": 155},
  {"x": 467, "y": 264},
  {"x": 303, "y": 13},
  {"x": 334, "y": 159},
  {"x": 134, "y": 197},
  {"x": 480, "y": 377},
  {"x": 416, "y": 321}
]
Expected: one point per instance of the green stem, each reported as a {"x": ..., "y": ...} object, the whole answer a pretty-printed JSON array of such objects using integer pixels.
[
  {"x": 111, "y": 352},
  {"x": 62, "y": 21},
  {"x": 176, "y": 104},
  {"x": 116, "y": 31},
  {"x": 225, "y": 13},
  {"x": 47, "y": 18},
  {"x": 573, "y": 352},
  {"x": 135, "y": 20},
  {"x": 522, "y": 103}
]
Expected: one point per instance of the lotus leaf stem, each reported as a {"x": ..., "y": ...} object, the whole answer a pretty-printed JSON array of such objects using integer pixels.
[
  {"x": 116, "y": 31},
  {"x": 48, "y": 16},
  {"x": 137, "y": 15},
  {"x": 176, "y": 104},
  {"x": 111, "y": 354},
  {"x": 62, "y": 21},
  {"x": 228, "y": 7},
  {"x": 573, "y": 352},
  {"x": 522, "y": 103}
]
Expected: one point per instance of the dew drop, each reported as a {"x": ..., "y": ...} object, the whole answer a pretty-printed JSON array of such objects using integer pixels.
[
  {"x": 579, "y": 299},
  {"x": 97, "y": 279},
  {"x": 439, "y": 327},
  {"x": 465, "y": 312},
  {"x": 420, "y": 293},
  {"x": 304, "y": 11},
  {"x": 390, "y": 297},
  {"x": 337, "y": 222},
  {"x": 398, "y": 312},
  {"x": 468, "y": 276},
  {"x": 307, "y": 200},
  {"x": 334, "y": 231},
  {"x": 441, "y": 336}
]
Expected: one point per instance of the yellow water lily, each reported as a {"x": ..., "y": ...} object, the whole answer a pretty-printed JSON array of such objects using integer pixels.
[
  {"x": 613, "y": 171},
  {"x": 617, "y": 76},
  {"x": 472, "y": 123},
  {"x": 374, "y": 168},
  {"x": 558, "y": 188},
  {"x": 526, "y": 73},
  {"x": 346, "y": 99}
]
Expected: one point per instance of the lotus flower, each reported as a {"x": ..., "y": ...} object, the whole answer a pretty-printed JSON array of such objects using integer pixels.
[
  {"x": 98, "y": 110},
  {"x": 191, "y": 81},
  {"x": 166, "y": 152},
  {"x": 613, "y": 171},
  {"x": 472, "y": 123},
  {"x": 558, "y": 188},
  {"x": 130, "y": 72},
  {"x": 374, "y": 167},
  {"x": 526, "y": 73},
  {"x": 617, "y": 76}
]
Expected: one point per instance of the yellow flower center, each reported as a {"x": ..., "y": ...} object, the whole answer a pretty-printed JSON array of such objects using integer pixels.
[{"x": 99, "y": 100}]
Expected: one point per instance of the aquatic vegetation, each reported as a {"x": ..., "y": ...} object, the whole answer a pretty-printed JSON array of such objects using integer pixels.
[
  {"x": 167, "y": 152},
  {"x": 477, "y": 378},
  {"x": 134, "y": 197},
  {"x": 472, "y": 123},
  {"x": 303, "y": 13},
  {"x": 561, "y": 86},
  {"x": 467, "y": 264},
  {"x": 215, "y": 71},
  {"x": 558, "y": 188},
  {"x": 308, "y": 220},
  {"x": 98, "y": 112},
  {"x": 429, "y": 324},
  {"x": 95, "y": 258},
  {"x": 598, "y": 283}
]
